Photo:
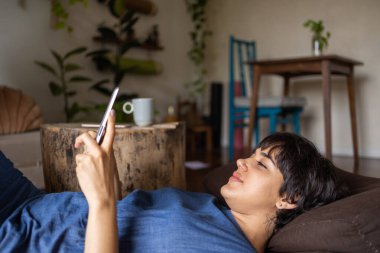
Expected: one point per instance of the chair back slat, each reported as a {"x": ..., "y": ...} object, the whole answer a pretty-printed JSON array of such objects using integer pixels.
[
  {"x": 240, "y": 72},
  {"x": 241, "y": 69}
]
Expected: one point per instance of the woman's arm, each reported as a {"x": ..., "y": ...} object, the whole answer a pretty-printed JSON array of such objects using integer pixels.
[{"x": 96, "y": 175}]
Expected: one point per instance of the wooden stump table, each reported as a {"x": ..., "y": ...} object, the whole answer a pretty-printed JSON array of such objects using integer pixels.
[{"x": 147, "y": 157}]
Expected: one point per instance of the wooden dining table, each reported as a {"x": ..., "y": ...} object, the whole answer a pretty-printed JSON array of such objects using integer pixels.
[{"x": 325, "y": 65}]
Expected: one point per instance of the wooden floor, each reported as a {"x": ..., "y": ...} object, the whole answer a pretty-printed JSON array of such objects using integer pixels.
[{"x": 216, "y": 158}]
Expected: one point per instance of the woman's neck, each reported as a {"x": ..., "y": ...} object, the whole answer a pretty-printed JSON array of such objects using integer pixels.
[{"x": 258, "y": 228}]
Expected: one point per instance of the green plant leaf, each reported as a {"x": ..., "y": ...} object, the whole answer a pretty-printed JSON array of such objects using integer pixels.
[
  {"x": 55, "y": 89},
  {"x": 128, "y": 26},
  {"x": 128, "y": 16},
  {"x": 58, "y": 58},
  {"x": 103, "y": 90},
  {"x": 98, "y": 52},
  {"x": 126, "y": 96},
  {"x": 71, "y": 93},
  {"x": 72, "y": 67},
  {"x": 69, "y": 29},
  {"x": 125, "y": 47},
  {"x": 84, "y": 2},
  {"x": 75, "y": 51},
  {"x": 47, "y": 67},
  {"x": 119, "y": 75},
  {"x": 77, "y": 79},
  {"x": 308, "y": 23},
  {"x": 60, "y": 25},
  {"x": 117, "y": 7},
  {"x": 100, "y": 83},
  {"x": 108, "y": 34},
  {"x": 72, "y": 111},
  {"x": 103, "y": 63}
]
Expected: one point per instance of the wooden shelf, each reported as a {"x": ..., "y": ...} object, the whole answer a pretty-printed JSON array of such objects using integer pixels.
[{"x": 141, "y": 46}]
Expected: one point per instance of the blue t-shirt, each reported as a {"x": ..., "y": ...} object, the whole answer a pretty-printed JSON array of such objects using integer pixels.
[{"x": 165, "y": 220}]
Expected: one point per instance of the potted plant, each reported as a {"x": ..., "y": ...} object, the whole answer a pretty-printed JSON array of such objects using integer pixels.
[
  {"x": 320, "y": 40},
  {"x": 64, "y": 79}
]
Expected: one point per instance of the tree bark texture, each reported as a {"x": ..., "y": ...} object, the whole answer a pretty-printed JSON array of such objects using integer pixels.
[{"x": 147, "y": 157}]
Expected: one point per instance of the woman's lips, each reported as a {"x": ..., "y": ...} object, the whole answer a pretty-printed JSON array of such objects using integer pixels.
[{"x": 235, "y": 177}]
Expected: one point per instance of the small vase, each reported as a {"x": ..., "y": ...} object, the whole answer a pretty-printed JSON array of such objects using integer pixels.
[{"x": 317, "y": 47}]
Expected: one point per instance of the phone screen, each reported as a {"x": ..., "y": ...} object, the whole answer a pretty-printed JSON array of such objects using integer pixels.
[{"x": 103, "y": 123}]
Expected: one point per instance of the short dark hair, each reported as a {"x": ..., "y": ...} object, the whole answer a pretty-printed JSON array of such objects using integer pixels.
[{"x": 309, "y": 178}]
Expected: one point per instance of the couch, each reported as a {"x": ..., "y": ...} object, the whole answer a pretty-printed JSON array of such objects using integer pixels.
[{"x": 351, "y": 224}]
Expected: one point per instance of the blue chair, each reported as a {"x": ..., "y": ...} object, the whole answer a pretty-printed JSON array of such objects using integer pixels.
[{"x": 279, "y": 110}]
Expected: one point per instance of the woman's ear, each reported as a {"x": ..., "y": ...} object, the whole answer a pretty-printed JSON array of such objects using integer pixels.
[{"x": 283, "y": 203}]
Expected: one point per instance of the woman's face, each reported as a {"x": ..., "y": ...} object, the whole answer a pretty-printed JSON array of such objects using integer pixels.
[{"x": 255, "y": 185}]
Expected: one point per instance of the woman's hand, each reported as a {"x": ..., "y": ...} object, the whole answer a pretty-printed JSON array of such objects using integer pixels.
[{"x": 95, "y": 167}]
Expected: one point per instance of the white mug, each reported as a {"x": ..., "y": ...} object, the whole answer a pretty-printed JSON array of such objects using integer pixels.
[{"x": 142, "y": 109}]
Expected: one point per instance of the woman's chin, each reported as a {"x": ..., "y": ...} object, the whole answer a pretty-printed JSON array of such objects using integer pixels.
[{"x": 226, "y": 190}]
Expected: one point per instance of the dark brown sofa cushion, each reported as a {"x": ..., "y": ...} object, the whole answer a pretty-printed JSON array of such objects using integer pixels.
[{"x": 351, "y": 224}]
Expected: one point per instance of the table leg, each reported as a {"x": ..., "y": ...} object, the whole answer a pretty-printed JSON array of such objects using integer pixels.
[
  {"x": 286, "y": 86},
  {"x": 326, "y": 87},
  {"x": 285, "y": 94},
  {"x": 254, "y": 99},
  {"x": 351, "y": 100}
]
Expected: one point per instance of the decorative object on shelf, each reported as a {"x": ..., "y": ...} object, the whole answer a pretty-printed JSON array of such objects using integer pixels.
[
  {"x": 171, "y": 115},
  {"x": 152, "y": 42},
  {"x": 61, "y": 85},
  {"x": 18, "y": 112},
  {"x": 199, "y": 34},
  {"x": 320, "y": 41}
]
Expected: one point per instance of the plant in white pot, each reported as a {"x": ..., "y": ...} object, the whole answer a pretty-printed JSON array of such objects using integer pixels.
[{"x": 320, "y": 40}]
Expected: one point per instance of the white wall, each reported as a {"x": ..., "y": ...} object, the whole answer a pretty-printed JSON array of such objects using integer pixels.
[
  {"x": 26, "y": 36},
  {"x": 277, "y": 27}
]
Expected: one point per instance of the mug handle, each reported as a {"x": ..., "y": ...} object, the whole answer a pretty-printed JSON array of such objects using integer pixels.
[{"x": 125, "y": 107}]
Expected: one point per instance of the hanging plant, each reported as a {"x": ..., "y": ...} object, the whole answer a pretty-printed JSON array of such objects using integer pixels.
[
  {"x": 60, "y": 13},
  {"x": 198, "y": 36}
]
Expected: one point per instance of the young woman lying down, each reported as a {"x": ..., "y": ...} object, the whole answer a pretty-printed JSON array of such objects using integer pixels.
[{"x": 284, "y": 177}]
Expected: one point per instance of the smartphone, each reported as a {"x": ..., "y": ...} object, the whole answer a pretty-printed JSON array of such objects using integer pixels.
[{"x": 103, "y": 124}]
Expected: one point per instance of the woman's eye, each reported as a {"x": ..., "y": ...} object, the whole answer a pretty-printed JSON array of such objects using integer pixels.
[{"x": 261, "y": 164}]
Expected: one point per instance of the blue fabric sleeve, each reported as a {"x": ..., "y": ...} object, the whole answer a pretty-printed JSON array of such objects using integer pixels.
[{"x": 15, "y": 189}]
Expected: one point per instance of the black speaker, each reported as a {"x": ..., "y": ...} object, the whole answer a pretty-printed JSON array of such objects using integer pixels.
[{"x": 216, "y": 112}]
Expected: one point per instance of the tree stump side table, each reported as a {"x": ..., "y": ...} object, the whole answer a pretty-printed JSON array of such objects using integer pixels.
[{"x": 147, "y": 157}]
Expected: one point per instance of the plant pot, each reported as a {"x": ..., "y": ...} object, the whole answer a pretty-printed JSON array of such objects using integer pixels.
[{"x": 317, "y": 47}]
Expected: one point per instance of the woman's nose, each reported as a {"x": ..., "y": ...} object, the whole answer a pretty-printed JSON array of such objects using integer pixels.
[{"x": 242, "y": 165}]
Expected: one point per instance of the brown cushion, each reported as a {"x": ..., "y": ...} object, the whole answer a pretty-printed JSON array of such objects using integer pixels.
[
  {"x": 347, "y": 225},
  {"x": 214, "y": 180}
]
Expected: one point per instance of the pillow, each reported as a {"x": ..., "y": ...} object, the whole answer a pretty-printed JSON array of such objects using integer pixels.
[
  {"x": 214, "y": 180},
  {"x": 351, "y": 224},
  {"x": 347, "y": 225},
  {"x": 15, "y": 189}
]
